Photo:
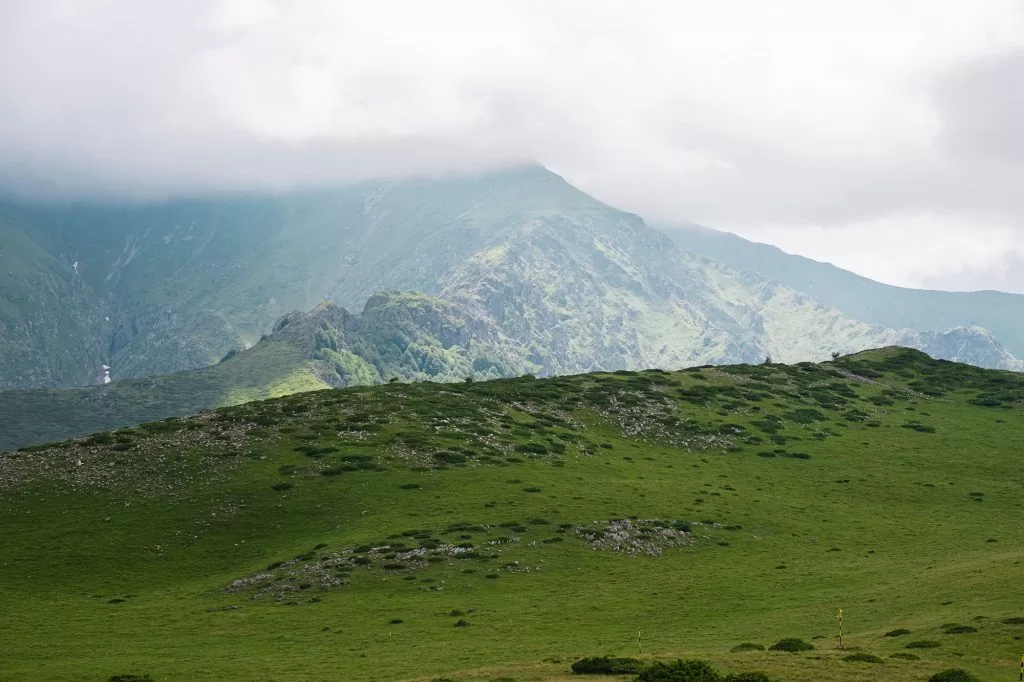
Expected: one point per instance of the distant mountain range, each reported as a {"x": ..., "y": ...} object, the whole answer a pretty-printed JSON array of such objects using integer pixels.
[
  {"x": 505, "y": 273},
  {"x": 1000, "y": 313}
]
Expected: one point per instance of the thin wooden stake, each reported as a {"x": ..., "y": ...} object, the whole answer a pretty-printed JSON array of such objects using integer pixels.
[
  {"x": 840, "y": 617},
  {"x": 639, "y": 643}
]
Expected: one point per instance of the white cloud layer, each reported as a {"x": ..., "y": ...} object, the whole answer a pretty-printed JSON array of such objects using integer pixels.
[{"x": 884, "y": 135}]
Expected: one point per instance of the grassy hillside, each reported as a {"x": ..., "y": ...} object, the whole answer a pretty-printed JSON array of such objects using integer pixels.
[
  {"x": 502, "y": 529},
  {"x": 42, "y": 415}
]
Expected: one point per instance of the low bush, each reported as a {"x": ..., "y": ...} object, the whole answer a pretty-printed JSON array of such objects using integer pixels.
[
  {"x": 959, "y": 629},
  {"x": 680, "y": 671},
  {"x": 862, "y": 657},
  {"x": 906, "y": 657},
  {"x": 747, "y": 646},
  {"x": 953, "y": 675},
  {"x": 898, "y": 632},
  {"x": 1014, "y": 620},
  {"x": 607, "y": 665},
  {"x": 792, "y": 645},
  {"x": 922, "y": 644}
]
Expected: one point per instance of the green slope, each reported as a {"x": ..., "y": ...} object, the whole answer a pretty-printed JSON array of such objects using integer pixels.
[
  {"x": 859, "y": 297},
  {"x": 885, "y": 483}
]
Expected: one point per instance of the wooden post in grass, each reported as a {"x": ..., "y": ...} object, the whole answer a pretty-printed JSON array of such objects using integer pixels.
[
  {"x": 840, "y": 617},
  {"x": 641, "y": 644},
  {"x": 1022, "y": 668}
]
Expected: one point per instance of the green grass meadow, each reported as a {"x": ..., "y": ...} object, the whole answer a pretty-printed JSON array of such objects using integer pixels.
[{"x": 896, "y": 496}]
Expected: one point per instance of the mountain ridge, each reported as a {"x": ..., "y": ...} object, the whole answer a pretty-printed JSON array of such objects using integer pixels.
[
  {"x": 857, "y": 296},
  {"x": 563, "y": 282}
]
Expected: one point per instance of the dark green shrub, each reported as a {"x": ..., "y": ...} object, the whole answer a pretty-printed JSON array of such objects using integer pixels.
[
  {"x": 959, "y": 629},
  {"x": 462, "y": 623},
  {"x": 792, "y": 645},
  {"x": 898, "y": 632},
  {"x": 130, "y": 678},
  {"x": 905, "y": 657},
  {"x": 449, "y": 457},
  {"x": 862, "y": 657},
  {"x": 747, "y": 677},
  {"x": 1014, "y": 620},
  {"x": 284, "y": 485},
  {"x": 607, "y": 665},
  {"x": 922, "y": 644},
  {"x": 316, "y": 451},
  {"x": 747, "y": 646},
  {"x": 410, "y": 486},
  {"x": 953, "y": 675},
  {"x": 532, "y": 448},
  {"x": 680, "y": 671}
]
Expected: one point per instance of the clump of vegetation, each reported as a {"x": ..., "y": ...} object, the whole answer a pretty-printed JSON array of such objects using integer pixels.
[
  {"x": 955, "y": 629},
  {"x": 680, "y": 671},
  {"x": 792, "y": 645},
  {"x": 898, "y": 632},
  {"x": 862, "y": 657},
  {"x": 747, "y": 646},
  {"x": 694, "y": 671},
  {"x": 953, "y": 675},
  {"x": 607, "y": 665},
  {"x": 905, "y": 656},
  {"x": 922, "y": 644}
]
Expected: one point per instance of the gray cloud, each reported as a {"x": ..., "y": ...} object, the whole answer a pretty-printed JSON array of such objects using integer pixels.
[
  {"x": 772, "y": 119},
  {"x": 981, "y": 107}
]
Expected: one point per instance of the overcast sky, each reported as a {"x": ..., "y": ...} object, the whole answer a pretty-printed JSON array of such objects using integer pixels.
[{"x": 886, "y": 136}]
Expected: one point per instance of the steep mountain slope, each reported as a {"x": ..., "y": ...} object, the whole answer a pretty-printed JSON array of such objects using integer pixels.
[
  {"x": 165, "y": 287},
  {"x": 503, "y": 529},
  {"x": 399, "y": 335},
  {"x": 858, "y": 297},
  {"x": 541, "y": 276},
  {"x": 602, "y": 291}
]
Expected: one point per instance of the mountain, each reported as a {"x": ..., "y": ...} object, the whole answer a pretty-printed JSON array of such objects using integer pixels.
[
  {"x": 503, "y": 529},
  {"x": 410, "y": 336},
  {"x": 1002, "y": 314},
  {"x": 540, "y": 277}
]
